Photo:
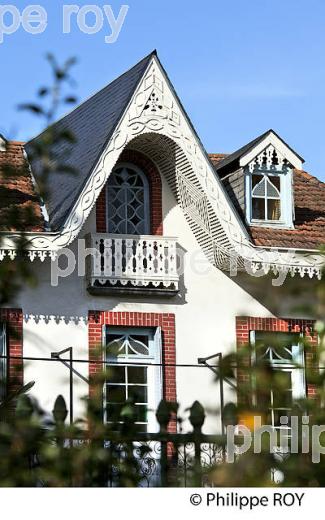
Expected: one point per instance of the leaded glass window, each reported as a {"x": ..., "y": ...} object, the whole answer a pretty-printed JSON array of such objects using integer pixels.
[
  {"x": 128, "y": 201},
  {"x": 132, "y": 356},
  {"x": 3, "y": 361},
  {"x": 284, "y": 353},
  {"x": 266, "y": 197}
]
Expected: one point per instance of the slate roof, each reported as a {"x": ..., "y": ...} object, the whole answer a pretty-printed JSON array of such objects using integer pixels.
[
  {"x": 17, "y": 193},
  {"x": 92, "y": 124}
]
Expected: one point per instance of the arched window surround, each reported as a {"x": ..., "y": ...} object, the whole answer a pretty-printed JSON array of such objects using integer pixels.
[{"x": 155, "y": 189}]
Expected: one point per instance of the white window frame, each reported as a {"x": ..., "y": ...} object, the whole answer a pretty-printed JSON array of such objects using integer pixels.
[
  {"x": 286, "y": 199},
  {"x": 298, "y": 375},
  {"x": 3, "y": 361},
  {"x": 152, "y": 362}
]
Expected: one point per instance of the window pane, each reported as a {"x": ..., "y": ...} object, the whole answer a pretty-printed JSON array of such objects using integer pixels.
[
  {"x": 259, "y": 189},
  {"x": 116, "y": 374},
  {"x": 280, "y": 344},
  {"x": 258, "y": 209},
  {"x": 273, "y": 209},
  {"x": 137, "y": 375},
  {"x": 256, "y": 179},
  {"x": 271, "y": 190},
  {"x": 282, "y": 398},
  {"x": 138, "y": 394},
  {"x": 114, "y": 412},
  {"x": 141, "y": 413},
  {"x": 116, "y": 394},
  {"x": 115, "y": 344},
  {"x": 276, "y": 181},
  {"x": 138, "y": 345},
  {"x": 282, "y": 391}
]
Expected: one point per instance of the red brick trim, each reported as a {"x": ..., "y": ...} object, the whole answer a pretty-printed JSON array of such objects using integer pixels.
[
  {"x": 101, "y": 212},
  {"x": 246, "y": 324},
  {"x": 155, "y": 186},
  {"x": 13, "y": 318},
  {"x": 96, "y": 320}
]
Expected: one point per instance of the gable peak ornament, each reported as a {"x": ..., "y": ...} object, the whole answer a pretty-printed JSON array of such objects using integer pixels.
[{"x": 153, "y": 105}]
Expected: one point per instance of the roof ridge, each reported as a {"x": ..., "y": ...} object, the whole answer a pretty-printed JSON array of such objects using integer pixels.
[{"x": 309, "y": 176}]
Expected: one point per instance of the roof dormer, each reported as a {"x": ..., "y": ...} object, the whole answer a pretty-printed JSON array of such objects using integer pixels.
[
  {"x": 259, "y": 177},
  {"x": 268, "y": 190}
]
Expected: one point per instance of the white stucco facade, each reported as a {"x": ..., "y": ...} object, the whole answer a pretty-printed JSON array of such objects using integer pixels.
[{"x": 205, "y": 312}]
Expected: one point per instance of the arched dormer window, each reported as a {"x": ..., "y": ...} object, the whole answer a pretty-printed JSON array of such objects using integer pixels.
[
  {"x": 128, "y": 204},
  {"x": 266, "y": 197},
  {"x": 269, "y": 198}
]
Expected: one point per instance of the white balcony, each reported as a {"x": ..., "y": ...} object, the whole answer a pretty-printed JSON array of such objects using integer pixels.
[{"x": 132, "y": 263}]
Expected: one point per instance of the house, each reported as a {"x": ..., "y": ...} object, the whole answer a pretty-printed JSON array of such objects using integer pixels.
[{"x": 158, "y": 252}]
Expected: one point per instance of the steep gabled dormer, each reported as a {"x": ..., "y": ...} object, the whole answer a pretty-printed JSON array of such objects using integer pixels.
[
  {"x": 281, "y": 205},
  {"x": 259, "y": 180}
]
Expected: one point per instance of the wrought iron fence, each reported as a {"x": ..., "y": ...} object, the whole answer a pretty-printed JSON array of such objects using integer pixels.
[{"x": 127, "y": 457}]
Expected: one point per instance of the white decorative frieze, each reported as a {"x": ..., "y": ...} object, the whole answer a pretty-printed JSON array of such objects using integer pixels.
[
  {"x": 193, "y": 202},
  {"x": 269, "y": 159}
]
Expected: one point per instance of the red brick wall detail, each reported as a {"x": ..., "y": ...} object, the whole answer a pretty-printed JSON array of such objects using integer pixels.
[
  {"x": 155, "y": 186},
  {"x": 14, "y": 334}
]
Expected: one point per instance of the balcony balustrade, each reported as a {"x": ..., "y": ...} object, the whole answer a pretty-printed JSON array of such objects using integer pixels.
[{"x": 132, "y": 263}]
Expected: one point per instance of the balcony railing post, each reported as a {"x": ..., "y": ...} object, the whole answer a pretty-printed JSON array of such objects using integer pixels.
[
  {"x": 163, "y": 415},
  {"x": 197, "y": 417}
]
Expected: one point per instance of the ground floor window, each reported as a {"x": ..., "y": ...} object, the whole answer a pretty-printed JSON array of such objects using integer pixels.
[
  {"x": 285, "y": 354},
  {"x": 133, "y": 357},
  {"x": 3, "y": 361}
]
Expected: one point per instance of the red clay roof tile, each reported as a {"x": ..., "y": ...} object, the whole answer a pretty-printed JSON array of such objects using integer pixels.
[
  {"x": 309, "y": 222},
  {"x": 17, "y": 191}
]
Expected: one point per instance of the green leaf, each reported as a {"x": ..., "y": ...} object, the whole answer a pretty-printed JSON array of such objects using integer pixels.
[
  {"x": 70, "y": 99},
  {"x": 43, "y": 91},
  {"x": 36, "y": 109}
]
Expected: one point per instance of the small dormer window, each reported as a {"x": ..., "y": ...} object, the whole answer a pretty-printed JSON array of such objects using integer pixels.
[
  {"x": 269, "y": 200},
  {"x": 266, "y": 197}
]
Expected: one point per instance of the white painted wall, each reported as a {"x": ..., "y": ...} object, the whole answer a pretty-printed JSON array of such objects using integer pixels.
[{"x": 56, "y": 318}]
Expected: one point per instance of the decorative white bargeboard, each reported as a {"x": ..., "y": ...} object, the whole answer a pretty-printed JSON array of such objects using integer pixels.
[{"x": 133, "y": 260}]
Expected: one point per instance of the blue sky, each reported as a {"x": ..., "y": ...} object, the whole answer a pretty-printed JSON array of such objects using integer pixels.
[{"x": 240, "y": 67}]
